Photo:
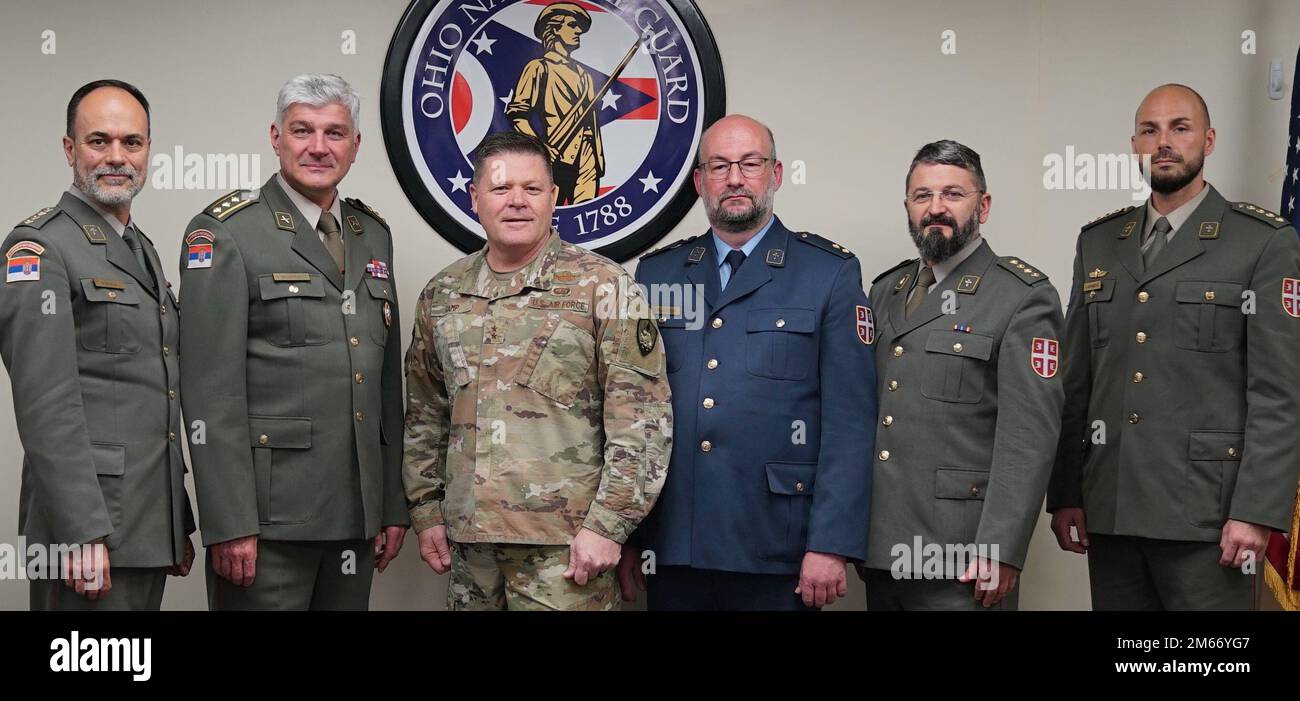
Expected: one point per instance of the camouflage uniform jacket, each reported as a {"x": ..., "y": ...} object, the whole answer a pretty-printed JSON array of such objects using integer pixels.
[{"x": 536, "y": 403}]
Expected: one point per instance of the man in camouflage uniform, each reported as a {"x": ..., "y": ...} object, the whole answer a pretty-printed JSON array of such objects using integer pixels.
[{"x": 538, "y": 420}]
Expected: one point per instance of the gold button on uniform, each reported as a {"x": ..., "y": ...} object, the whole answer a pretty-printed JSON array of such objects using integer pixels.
[
  {"x": 884, "y": 455},
  {"x": 706, "y": 446},
  {"x": 717, "y": 323},
  {"x": 112, "y": 295},
  {"x": 1144, "y": 296},
  {"x": 1232, "y": 452},
  {"x": 708, "y": 402},
  {"x": 974, "y": 490},
  {"x": 713, "y": 363},
  {"x": 359, "y": 378},
  {"x": 171, "y": 435},
  {"x": 263, "y": 439},
  {"x": 361, "y": 416},
  {"x": 1142, "y": 337},
  {"x": 166, "y": 350},
  {"x": 1134, "y": 418},
  {"x": 1209, "y": 295},
  {"x": 293, "y": 289},
  {"x": 887, "y": 421},
  {"x": 798, "y": 486},
  {"x": 957, "y": 347},
  {"x": 171, "y": 394},
  {"x": 354, "y": 341},
  {"x": 1138, "y": 377},
  {"x": 893, "y": 385},
  {"x": 898, "y": 351}
]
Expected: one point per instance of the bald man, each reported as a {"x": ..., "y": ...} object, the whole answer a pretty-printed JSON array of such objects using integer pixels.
[
  {"x": 1179, "y": 441},
  {"x": 774, "y": 405}
]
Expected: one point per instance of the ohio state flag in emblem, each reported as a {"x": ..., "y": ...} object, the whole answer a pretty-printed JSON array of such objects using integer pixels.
[
  {"x": 1291, "y": 296},
  {"x": 866, "y": 326},
  {"x": 1045, "y": 356}
]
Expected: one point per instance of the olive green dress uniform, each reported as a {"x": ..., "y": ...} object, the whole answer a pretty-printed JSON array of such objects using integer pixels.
[
  {"x": 295, "y": 372},
  {"x": 968, "y": 422},
  {"x": 90, "y": 341},
  {"x": 1181, "y": 384}
]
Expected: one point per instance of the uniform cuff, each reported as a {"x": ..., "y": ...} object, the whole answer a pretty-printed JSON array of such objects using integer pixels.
[
  {"x": 427, "y": 515},
  {"x": 607, "y": 523}
]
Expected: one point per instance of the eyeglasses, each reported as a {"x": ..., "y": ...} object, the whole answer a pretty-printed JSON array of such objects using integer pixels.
[
  {"x": 720, "y": 169},
  {"x": 949, "y": 196}
]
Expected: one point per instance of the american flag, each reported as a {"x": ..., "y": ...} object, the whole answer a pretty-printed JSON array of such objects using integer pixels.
[{"x": 1291, "y": 181}]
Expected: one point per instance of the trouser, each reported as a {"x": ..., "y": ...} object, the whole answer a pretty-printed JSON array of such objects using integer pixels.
[
  {"x": 885, "y": 593},
  {"x": 297, "y": 575},
  {"x": 133, "y": 589},
  {"x": 680, "y": 588},
  {"x": 1128, "y": 573},
  {"x": 510, "y": 577}
]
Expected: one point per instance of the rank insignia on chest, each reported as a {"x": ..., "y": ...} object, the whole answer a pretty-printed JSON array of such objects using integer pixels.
[
  {"x": 697, "y": 255},
  {"x": 377, "y": 269},
  {"x": 902, "y": 282},
  {"x": 1096, "y": 273},
  {"x": 1044, "y": 356},
  {"x": 355, "y": 224},
  {"x": 1208, "y": 230},
  {"x": 284, "y": 220},
  {"x": 866, "y": 325},
  {"x": 1291, "y": 296},
  {"x": 94, "y": 234},
  {"x": 388, "y": 314},
  {"x": 775, "y": 257},
  {"x": 646, "y": 336},
  {"x": 23, "y": 262},
  {"x": 199, "y": 248},
  {"x": 1127, "y": 231},
  {"x": 968, "y": 284}
]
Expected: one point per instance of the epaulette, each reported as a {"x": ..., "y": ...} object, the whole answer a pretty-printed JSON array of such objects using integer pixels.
[
  {"x": 1261, "y": 214},
  {"x": 669, "y": 247},
  {"x": 1108, "y": 216},
  {"x": 366, "y": 208},
  {"x": 824, "y": 244},
  {"x": 40, "y": 218},
  {"x": 910, "y": 261},
  {"x": 230, "y": 203},
  {"x": 1027, "y": 273}
]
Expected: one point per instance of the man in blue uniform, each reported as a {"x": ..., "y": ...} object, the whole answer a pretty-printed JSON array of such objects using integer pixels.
[{"x": 773, "y": 384}]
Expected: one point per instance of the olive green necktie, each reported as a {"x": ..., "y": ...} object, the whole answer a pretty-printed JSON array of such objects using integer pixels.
[
  {"x": 333, "y": 239},
  {"x": 924, "y": 279}
]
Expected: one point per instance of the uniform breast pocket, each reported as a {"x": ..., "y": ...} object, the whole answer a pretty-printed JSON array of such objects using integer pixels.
[
  {"x": 674, "y": 334},
  {"x": 453, "y": 325},
  {"x": 382, "y": 300},
  {"x": 292, "y": 310},
  {"x": 1097, "y": 301},
  {"x": 1213, "y": 458},
  {"x": 955, "y": 366},
  {"x": 111, "y": 320},
  {"x": 557, "y": 362},
  {"x": 1209, "y": 317},
  {"x": 780, "y": 344}
]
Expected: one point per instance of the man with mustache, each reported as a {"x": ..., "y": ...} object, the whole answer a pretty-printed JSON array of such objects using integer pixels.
[
  {"x": 773, "y": 396},
  {"x": 292, "y": 367},
  {"x": 88, "y": 331},
  {"x": 970, "y": 401},
  {"x": 1179, "y": 440}
]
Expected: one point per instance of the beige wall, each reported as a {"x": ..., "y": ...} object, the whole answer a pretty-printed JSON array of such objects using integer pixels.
[{"x": 851, "y": 88}]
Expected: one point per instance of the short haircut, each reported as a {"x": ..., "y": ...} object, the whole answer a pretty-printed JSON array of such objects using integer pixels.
[
  {"x": 94, "y": 85},
  {"x": 510, "y": 142},
  {"x": 1205, "y": 110},
  {"x": 948, "y": 153},
  {"x": 318, "y": 90}
]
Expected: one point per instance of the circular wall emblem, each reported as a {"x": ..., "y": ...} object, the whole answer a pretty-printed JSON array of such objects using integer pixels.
[{"x": 619, "y": 91}]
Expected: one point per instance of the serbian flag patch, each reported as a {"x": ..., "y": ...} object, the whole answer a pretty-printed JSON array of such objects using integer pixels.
[
  {"x": 199, "y": 249},
  {"x": 1045, "y": 356},
  {"x": 866, "y": 325},
  {"x": 23, "y": 262},
  {"x": 1291, "y": 296}
]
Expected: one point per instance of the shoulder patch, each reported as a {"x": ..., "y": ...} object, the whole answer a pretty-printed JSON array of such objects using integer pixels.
[
  {"x": 23, "y": 262},
  {"x": 39, "y": 219},
  {"x": 366, "y": 208},
  {"x": 230, "y": 203},
  {"x": 1260, "y": 213},
  {"x": 878, "y": 278},
  {"x": 822, "y": 243},
  {"x": 1022, "y": 270},
  {"x": 1108, "y": 216},
  {"x": 668, "y": 247}
]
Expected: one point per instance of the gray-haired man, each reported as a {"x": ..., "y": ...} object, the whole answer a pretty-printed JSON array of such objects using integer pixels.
[{"x": 292, "y": 365}]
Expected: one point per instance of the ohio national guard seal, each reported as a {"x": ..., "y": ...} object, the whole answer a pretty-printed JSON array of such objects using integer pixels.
[{"x": 618, "y": 92}]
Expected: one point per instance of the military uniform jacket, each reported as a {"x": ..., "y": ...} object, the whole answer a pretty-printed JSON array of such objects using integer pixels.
[
  {"x": 970, "y": 407},
  {"x": 294, "y": 371},
  {"x": 536, "y": 401},
  {"x": 1181, "y": 381},
  {"x": 90, "y": 344},
  {"x": 774, "y": 400}
]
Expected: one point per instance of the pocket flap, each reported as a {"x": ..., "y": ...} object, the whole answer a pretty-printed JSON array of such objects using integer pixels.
[
  {"x": 1215, "y": 445},
  {"x": 960, "y": 483},
  {"x": 970, "y": 345},
  {"x": 109, "y": 291},
  {"x": 788, "y": 320},
  {"x": 279, "y": 431},
  {"x": 1098, "y": 290},
  {"x": 109, "y": 458},
  {"x": 792, "y": 478},
  {"x": 281, "y": 289},
  {"x": 380, "y": 289},
  {"x": 1226, "y": 294}
]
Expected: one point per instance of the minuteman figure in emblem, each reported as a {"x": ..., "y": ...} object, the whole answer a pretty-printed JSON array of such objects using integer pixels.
[{"x": 561, "y": 94}]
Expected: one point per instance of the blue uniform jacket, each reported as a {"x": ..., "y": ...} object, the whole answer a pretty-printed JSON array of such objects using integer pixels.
[{"x": 774, "y": 405}]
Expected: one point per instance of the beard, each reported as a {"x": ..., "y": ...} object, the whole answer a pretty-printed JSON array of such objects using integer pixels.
[
  {"x": 930, "y": 242},
  {"x": 1165, "y": 183},
  {"x": 735, "y": 221},
  {"x": 109, "y": 196}
]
